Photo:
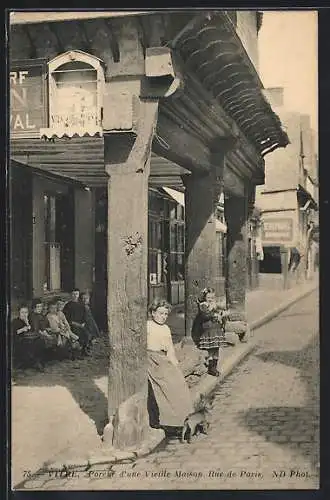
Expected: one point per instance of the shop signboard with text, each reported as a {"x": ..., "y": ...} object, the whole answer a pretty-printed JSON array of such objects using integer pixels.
[
  {"x": 28, "y": 104},
  {"x": 277, "y": 230}
]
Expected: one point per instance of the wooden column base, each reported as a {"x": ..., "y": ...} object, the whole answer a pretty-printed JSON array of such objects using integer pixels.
[{"x": 129, "y": 426}]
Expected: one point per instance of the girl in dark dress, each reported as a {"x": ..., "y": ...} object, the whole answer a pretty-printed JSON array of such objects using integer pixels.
[{"x": 208, "y": 327}]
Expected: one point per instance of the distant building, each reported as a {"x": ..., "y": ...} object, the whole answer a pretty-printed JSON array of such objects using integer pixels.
[{"x": 288, "y": 199}]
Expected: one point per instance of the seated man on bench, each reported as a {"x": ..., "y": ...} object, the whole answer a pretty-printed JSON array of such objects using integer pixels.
[{"x": 75, "y": 313}]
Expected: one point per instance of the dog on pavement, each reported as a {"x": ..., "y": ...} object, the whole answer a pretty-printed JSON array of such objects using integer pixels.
[{"x": 198, "y": 421}]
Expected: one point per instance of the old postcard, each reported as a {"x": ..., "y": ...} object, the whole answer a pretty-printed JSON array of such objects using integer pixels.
[{"x": 164, "y": 249}]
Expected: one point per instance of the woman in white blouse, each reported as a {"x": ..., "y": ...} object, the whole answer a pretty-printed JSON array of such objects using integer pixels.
[{"x": 166, "y": 381}]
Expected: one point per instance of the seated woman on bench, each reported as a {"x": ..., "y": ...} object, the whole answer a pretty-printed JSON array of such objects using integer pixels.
[
  {"x": 28, "y": 345},
  {"x": 61, "y": 328}
]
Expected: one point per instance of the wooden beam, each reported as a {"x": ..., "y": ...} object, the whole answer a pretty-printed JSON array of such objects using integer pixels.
[
  {"x": 69, "y": 35},
  {"x": 33, "y": 53},
  {"x": 45, "y": 42},
  {"x": 114, "y": 45},
  {"x": 20, "y": 46},
  {"x": 154, "y": 29},
  {"x": 131, "y": 56},
  {"x": 100, "y": 40},
  {"x": 173, "y": 181},
  {"x": 182, "y": 147}
]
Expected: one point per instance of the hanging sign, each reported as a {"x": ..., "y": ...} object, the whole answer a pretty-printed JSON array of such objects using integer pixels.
[{"x": 27, "y": 98}]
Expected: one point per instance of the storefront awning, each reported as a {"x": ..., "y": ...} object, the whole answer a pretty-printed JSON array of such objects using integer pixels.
[
  {"x": 305, "y": 198},
  {"x": 176, "y": 195},
  {"x": 53, "y": 132}
]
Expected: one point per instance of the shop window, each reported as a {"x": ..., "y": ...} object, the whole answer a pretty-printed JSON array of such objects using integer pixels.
[
  {"x": 177, "y": 233},
  {"x": 52, "y": 275},
  {"x": 157, "y": 264},
  {"x": 165, "y": 240},
  {"x": 58, "y": 242}
]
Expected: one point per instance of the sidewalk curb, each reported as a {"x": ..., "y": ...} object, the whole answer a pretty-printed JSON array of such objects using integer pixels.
[
  {"x": 208, "y": 383},
  {"x": 282, "y": 307},
  {"x": 205, "y": 387}
]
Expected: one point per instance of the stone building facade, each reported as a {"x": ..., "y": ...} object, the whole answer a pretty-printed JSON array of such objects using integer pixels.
[{"x": 288, "y": 199}]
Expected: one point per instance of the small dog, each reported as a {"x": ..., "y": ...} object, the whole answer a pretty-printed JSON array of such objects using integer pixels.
[{"x": 197, "y": 422}]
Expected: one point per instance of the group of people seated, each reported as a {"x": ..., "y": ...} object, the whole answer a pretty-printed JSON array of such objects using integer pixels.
[{"x": 57, "y": 326}]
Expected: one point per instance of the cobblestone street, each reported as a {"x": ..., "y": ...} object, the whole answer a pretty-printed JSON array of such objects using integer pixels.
[{"x": 264, "y": 423}]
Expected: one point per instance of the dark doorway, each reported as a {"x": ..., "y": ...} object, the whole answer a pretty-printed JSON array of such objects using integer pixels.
[
  {"x": 272, "y": 260},
  {"x": 21, "y": 231}
]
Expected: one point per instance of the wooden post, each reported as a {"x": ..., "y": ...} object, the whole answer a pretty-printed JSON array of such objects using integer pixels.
[
  {"x": 236, "y": 219},
  {"x": 201, "y": 263},
  {"x": 127, "y": 280}
]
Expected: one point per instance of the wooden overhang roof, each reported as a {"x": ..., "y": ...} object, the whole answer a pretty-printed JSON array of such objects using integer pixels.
[
  {"x": 82, "y": 159},
  {"x": 214, "y": 52}
]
